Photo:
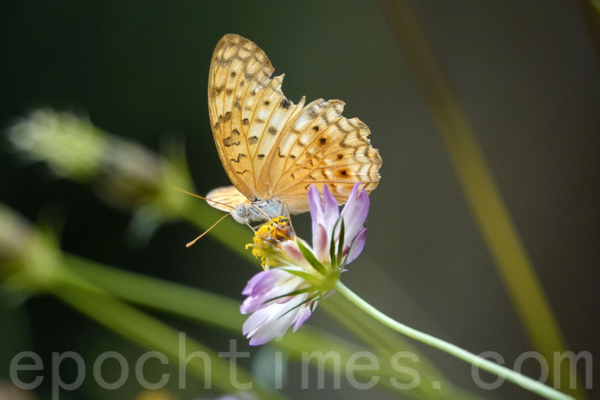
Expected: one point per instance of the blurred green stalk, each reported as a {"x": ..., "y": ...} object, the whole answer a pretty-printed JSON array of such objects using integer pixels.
[
  {"x": 480, "y": 188},
  {"x": 31, "y": 262},
  {"x": 152, "y": 334},
  {"x": 223, "y": 313},
  {"x": 591, "y": 12},
  {"x": 473, "y": 359}
]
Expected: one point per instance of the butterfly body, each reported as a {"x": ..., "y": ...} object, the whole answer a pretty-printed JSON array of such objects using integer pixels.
[
  {"x": 261, "y": 210},
  {"x": 242, "y": 209},
  {"x": 273, "y": 149}
]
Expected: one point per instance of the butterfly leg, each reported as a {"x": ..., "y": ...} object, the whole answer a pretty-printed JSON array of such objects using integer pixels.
[
  {"x": 287, "y": 212},
  {"x": 267, "y": 217}
]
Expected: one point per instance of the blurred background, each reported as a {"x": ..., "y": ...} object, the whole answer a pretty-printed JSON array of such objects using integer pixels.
[{"x": 526, "y": 74}]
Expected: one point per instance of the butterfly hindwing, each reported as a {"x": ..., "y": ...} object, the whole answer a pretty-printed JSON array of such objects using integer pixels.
[
  {"x": 323, "y": 147},
  {"x": 226, "y": 198}
]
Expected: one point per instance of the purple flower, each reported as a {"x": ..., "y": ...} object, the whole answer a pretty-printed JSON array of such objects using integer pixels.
[
  {"x": 297, "y": 276},
  {"x": 325, "y": 222}
]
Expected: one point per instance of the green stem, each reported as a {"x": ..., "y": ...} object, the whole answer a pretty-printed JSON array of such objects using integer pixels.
[
  {"x": 475, "y": 360},
  {"x": 150, "y": 333},
  {"x": 481, "y": 190},
  {"x": 223, "y": 313}
]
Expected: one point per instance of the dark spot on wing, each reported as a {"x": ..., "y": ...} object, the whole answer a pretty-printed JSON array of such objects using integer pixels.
[
  {"x": 285, "y": 103},
  {"x": 252, "y": 140},
  {"x": 227, "y": 116},
  {"x": 235, "y": 132},
  {"x": 241, "y": 173},
  {"x": 245, "y": 122},
  {"x": 266, "y": 103},
  {"x": 315, "y": 128},
  {"x": 238, "y": 158},
  {"x": 260, "y": 121},
  {"x": 340, "y": 156},
  {"x": 322, "y": 140},
  {"x": 272, "y": 131},
  {"x": 261, "y": 156},
  {"x": 233, "y": 74}
]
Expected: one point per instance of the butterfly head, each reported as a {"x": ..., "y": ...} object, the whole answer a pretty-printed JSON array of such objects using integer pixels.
[{"x": 241, "y": 213}]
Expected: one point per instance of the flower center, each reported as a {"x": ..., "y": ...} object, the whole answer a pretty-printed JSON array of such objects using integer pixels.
[{"x": 268, "y": 240}]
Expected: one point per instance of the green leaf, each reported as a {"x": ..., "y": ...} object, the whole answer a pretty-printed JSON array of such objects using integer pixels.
[
  {"x": 308, "y": 300},
  {"x": 293, "y": 293},
  {"x": 304, "y": 275},
  {"x": 338, "y": 261},
  {"x": 310, "y": 257}
]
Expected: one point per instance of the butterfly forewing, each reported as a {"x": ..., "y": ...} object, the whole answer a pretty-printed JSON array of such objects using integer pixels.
[
  {"x": 246, "y": 107},
  {"x": 274, "y": 149}
]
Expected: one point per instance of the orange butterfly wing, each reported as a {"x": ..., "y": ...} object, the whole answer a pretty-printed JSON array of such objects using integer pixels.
[{"x": 272, "y": 148}]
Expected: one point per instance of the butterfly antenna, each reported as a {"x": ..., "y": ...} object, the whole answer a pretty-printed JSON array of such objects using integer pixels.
[
  {"x": 208, "y": 230},
  {"x": 203, "y": 198}
]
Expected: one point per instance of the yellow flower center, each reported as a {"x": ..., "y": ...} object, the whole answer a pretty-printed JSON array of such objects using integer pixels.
[{"x": 268, "y": 238}]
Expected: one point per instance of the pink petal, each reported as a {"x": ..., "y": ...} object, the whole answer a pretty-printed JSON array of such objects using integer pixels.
[
  {"x": 254, "y": 322},
  {"x": 261, "y": 282},
  {"x": 292, "y": 250},
  {"x": 332, "y": 210},
  {"x": 276, "y": 325},
  {"x": 321, "y": 244},
  {"x": 357, "y": 246},
  {"x": 302, "y": 316},
  {"x": 316, "y": 210},
  {"x": 355, "y": 213}
]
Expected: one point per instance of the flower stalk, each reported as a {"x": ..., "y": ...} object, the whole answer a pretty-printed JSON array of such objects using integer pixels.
[
  {"x": 473, "y": 359},
  {"x": 278, "y": 300}
]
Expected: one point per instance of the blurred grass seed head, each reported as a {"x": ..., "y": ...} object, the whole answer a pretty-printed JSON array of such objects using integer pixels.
[{"x": 124, "y": 174}]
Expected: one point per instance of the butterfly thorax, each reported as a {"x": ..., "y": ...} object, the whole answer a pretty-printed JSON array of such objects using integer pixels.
[{"x": 261, "y": 210}]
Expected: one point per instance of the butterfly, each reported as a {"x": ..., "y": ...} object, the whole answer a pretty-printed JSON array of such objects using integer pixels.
[{"x": 273, "y": 149}]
